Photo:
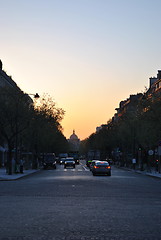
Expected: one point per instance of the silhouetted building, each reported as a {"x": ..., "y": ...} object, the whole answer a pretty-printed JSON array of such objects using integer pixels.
[
  {"x": 6, "y": 80},
  {"x": 128, "y": 105},
  {"x": 154, "y": 86},
  {"x": 74, "y": 142},
  {"x": 103, "y": 126}
]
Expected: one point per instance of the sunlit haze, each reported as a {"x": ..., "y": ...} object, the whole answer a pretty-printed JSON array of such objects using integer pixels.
[{"x": 87, "y": 54}]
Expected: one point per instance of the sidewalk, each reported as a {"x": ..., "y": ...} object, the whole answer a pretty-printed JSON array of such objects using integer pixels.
[
  {"x": 152, "y": 173},
  {"x": 5, "y": 177}
]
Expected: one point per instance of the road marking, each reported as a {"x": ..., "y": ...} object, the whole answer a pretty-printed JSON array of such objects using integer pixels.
[
  {"x": 85, "y": 168},
  {"x": 73, "y": 170}
]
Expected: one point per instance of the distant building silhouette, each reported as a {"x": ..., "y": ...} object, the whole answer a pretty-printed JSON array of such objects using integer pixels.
[
  {"x": 6, "y": 80},
  {"x": 74, "y": 142}
]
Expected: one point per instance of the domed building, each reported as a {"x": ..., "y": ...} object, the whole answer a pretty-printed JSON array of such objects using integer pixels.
[{"x": 74, "y": 142}]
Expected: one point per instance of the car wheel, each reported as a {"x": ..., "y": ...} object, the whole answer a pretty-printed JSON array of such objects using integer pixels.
[
  {"x": 109, "y": 174},
  {"x": 94, "y": 174}
]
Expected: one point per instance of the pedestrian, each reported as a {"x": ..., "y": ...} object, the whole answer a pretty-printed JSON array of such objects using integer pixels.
[
  {"x": 134, "y": 163},
  {"x": 21, "y": 165}
]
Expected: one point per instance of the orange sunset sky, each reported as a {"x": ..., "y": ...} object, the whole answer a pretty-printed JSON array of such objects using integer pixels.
[{"x": 87, "y": 54}]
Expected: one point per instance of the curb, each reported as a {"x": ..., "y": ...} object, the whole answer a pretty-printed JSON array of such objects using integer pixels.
[{"x": 140, "y": 172}]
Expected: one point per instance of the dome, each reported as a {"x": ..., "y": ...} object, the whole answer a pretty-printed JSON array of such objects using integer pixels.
[{"x": 73, "y": 136}]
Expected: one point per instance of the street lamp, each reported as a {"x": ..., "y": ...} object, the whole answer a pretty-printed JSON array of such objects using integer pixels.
[{"x": 35, "y": 95}]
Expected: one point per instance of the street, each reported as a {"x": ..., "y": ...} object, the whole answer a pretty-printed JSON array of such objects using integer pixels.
[{"x": 72, "y": 204}]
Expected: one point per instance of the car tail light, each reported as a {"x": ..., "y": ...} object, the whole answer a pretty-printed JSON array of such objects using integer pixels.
[
  {"x": 108, "y": 167},
  {"x": 96, "y": 167}
]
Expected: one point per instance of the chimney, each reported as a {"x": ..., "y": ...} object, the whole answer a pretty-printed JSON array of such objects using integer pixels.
[
  {"x": 152, "y": 80},
  {"x": 159, "y": 75},
  {"x": 0, "y": 65}
]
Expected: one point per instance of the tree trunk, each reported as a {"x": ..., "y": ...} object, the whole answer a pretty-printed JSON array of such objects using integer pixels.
[{"x": 9, "y": 160}]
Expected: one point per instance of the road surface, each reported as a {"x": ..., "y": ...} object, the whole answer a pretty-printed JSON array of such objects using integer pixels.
[{"x": 72, "y": 204}]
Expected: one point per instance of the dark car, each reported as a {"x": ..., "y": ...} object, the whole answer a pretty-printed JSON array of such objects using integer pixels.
[
  {"x": 101, "y": 167},
  {"x": 49, "y": 161},
  {"x": 75, "y": 155},
  {"x": 62, "y": 157},
  {"x": 76, "y": 161},
  {"x": 92, "y": 164},
  {"x": 69, "y": 162},
  {"x": 88, "y": 162},
  {"x": 62, "y": 160}
]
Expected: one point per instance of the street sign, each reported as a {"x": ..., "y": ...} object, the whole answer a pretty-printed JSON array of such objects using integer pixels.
[{"x": 150, "y": 152}]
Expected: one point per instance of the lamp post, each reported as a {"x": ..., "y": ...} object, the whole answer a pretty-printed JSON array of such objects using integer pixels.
[{"x": 35, "y": 95}]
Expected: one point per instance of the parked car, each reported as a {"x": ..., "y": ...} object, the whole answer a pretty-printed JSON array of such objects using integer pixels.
[
  {"x": 69, "y": 162},
  {"x": 49, "y": 161},
  {"x": 101, "y": 167}
]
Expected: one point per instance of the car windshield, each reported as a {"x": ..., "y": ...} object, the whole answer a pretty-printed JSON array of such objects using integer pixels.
[
  {"x": 102, "y": 164},
  {"x": 48, "y": 159},
  {"x": 69, "y": 159}
]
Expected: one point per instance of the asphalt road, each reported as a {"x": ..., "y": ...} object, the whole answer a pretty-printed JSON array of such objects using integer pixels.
[{"x": 72, "y": 204}]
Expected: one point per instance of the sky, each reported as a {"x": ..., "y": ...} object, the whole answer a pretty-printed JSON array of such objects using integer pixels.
[{"x": 87, "y": 54}]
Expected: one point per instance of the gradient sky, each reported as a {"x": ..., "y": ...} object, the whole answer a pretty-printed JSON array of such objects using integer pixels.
[{"x": 87, "y": 54}]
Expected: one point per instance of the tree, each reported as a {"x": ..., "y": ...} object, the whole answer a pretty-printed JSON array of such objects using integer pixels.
[
  {"x": 14, "y": 118},
  {"x": 45, "y": 132}
]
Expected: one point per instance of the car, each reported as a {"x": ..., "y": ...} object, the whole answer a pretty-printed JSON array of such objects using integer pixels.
[
  {"x": 77, "y": 161},
  {"x": 62, "y": 160},
  {"x": 49, "y": 161},
  {"x": 101, "y": 167},
  {"x": 88, "y": 162},
  {"x": 92, "y": 164},
  {"x": 57, "y": 160},
  {"x": 75, "y": 155},
  {"x": 69, "y": 162}
]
